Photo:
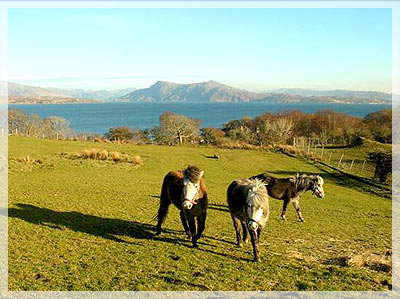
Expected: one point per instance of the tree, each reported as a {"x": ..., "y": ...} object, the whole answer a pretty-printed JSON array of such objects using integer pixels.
[
  {"x": 383, "y": 165},
  {"x": 59, "y": 126},
  {"x": 212, "y": 135},
  {"x": 179, "y": 128},
  {"x": 380, "y": 125},
  {"x": 120, "y": 133}
]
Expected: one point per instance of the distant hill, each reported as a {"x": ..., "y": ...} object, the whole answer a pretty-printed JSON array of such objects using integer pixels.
[
  {"x": 212, "y": 91},
  {"x": 19, "y": 93},
  {"x": 98, "y": 95},
  {"x": 371, "y": 95}
]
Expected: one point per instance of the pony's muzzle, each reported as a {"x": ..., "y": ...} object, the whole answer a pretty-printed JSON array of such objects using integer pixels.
[
  {"x": 187, "y": 204},
  {"x": 253, "y": 225}
]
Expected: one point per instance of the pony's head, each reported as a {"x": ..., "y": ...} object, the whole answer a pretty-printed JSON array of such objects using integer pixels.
[
  {"x": 256, "y": 197},
  {"x": 191, "y": 186},
  {"x": 316, "y": 185}
]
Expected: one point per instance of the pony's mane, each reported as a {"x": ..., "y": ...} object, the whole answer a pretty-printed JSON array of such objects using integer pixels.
[
  {"x": 302, "y": 181},
  {"x": 192, "y": 173},
  {"x": 257, "y": 191}
]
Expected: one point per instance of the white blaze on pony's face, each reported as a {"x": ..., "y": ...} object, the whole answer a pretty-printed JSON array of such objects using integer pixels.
[
  {"x": 318, "y": 188},
  {"x": 190, "y": 191},
  {"x": 253, "y": 213}
]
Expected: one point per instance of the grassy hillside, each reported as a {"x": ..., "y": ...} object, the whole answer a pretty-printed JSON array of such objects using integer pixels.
[{"x": 78, "y": 224}]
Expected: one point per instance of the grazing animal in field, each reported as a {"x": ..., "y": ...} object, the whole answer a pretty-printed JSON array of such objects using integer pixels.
[
  {"x": 249, "y": 207},
  {"x": 186, "y": 189},
  {"x": 290, "y": 189}
]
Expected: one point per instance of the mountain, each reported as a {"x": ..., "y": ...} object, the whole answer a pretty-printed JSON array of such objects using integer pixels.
[
  {"x": 19, "y": 93},
  {"x": 212, "y": 91},
  {"x": 19, "y": 90},
  {"x": 98, "y": 95},
  {"x": 340, "y": 93}
]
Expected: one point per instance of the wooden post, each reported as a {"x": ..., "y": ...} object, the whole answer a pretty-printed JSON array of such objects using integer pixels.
[
  {"x": 340, "y": 161},
  {"x": 308, "y": 149},
  {"x": 330, "y": 156},
  {"x": 362, "y": 168},
  {"x": 57, "y": 135},
  {"x": 322, "y": 152},
  {"x": 294, "y": 141},
  {"x": 351, "y": 166}
]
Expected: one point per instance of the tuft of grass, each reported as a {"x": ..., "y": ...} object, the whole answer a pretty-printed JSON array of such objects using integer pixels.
[
  {"x": 86, "y": 154},
  {"x": 103, "y": 155},
  {"x": 93, "y": 153},
  {"x": 137, "y": 160},
  {"x": 115, "y": 156}
]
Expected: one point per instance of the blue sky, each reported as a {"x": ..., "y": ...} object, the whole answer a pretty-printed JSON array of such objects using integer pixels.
[{"x": 255, "y": 49}]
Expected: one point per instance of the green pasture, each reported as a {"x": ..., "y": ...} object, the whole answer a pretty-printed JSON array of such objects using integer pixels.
[{"x": 81, "y": 224}]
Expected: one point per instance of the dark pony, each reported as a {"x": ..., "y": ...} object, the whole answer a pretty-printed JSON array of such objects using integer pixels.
[
  {"x": 290, "y": 189},
  {"x": 249, "y": 207},
  {"x": 186, "y": 189}
]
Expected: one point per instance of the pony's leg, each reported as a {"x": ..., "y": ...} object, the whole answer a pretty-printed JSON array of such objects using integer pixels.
[
  {"x": 192, "y": 227},
  {"x": 284, "y": 208},
  {"x": 236, "y": 225},
  {"x": 296, "y": 205},
  {"x": 185, "y": 224},
  {"x": 201, "y": 225},
  {"x": 245, "y": 233},
  {"x": 162, "y": 213},
  {"x": 254, "y": 242}
]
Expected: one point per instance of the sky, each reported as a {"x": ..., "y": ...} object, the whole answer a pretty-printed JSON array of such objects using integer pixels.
[{"x": 254, "y": 49}]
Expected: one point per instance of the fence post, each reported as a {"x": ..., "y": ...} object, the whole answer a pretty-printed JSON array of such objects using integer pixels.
[
  {"x": 330, "y": 156},
  {"x": 340, "y": 161},
  {"x": 322, "y": 152},
  {"x": 362, "y": 168},
  {"x": 351, "y": 166},
  {"x": 308, "y": 149}
]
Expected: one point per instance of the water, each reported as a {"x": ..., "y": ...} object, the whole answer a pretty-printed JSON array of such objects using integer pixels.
[{"x": 98, "y": 118}]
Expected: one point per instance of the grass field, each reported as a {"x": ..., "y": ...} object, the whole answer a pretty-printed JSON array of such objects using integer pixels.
[{"x": 81, "y": 224}]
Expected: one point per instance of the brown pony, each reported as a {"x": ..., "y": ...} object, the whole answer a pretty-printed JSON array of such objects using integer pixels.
[
  {"x": 186, "y": 189},
  {"x": 290, "y": 189}
]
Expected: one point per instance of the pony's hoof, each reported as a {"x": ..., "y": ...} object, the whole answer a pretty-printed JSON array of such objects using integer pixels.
[
  {"x": 256, "y": 259},
  {"x": 302, "y": 220},
  {"x": 239, "y": 245},
  {"x": 246, "y": 241},
  {"x": 188, "y": 236}
]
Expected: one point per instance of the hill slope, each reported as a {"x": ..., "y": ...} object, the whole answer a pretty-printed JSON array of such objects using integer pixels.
[{"x": 77, "y": 224}]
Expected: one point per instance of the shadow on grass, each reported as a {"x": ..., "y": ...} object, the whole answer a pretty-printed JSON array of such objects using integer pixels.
[
  {"x": 222, "y": 208},
  {"x": 178, "y": 282},
  {"x": 108, "y": 228}
]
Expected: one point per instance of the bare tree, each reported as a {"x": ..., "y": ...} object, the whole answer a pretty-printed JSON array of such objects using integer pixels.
[
  {"x": 282, "y": 128},
  {"x": 60, "y": 126},
  {"x": 179, "y": 128}
]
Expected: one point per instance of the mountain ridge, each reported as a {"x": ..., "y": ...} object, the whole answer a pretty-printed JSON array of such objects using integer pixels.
[{"x": 209, "y": 91}]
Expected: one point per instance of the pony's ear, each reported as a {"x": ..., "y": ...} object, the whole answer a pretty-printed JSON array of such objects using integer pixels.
[{"x": 201, "y": 174}]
